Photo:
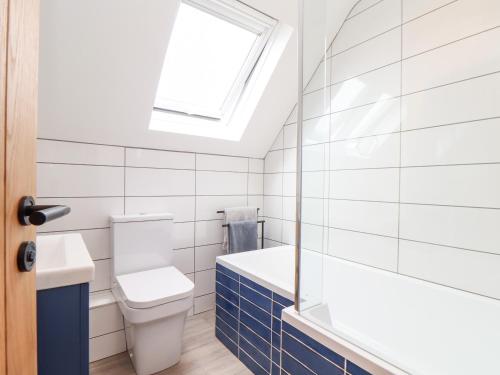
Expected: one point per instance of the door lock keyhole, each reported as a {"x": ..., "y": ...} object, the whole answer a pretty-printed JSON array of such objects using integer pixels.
[{"x": 26, "y": 257}]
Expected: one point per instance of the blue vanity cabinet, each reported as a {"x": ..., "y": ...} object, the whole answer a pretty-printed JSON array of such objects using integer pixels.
[{"x": 63, "y": 330}]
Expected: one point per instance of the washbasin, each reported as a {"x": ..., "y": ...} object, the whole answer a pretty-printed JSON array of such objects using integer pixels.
[{"x": 62, "y": 260}]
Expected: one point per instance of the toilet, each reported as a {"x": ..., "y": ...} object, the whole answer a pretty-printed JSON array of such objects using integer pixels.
[{"x": 154, "y": 297}]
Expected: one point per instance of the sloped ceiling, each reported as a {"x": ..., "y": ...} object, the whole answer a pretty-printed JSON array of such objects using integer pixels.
[{"x": 99, "y": 66}]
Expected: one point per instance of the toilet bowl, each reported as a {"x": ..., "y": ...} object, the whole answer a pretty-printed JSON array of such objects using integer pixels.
[{"x": 154, "y": 297}]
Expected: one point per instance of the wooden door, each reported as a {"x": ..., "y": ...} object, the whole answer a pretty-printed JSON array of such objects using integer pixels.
[{"x": 19, "y": 21}]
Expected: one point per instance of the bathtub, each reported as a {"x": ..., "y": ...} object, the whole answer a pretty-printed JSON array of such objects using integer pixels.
[
  {"x": 272, "y": 268},
  {"x": 254, "y": 293},
  {"x": 376, "y": 320},
  {"x": 416, "y": 326}
]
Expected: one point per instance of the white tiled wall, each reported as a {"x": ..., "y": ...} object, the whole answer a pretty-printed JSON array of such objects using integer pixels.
[
  {"x": 279, "y": 187},
  {"x": 97, "y": 181},
  {"x": 402, "y": 145}
]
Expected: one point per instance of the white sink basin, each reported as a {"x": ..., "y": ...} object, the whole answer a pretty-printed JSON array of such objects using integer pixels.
[{"x": 62, "y": 260}]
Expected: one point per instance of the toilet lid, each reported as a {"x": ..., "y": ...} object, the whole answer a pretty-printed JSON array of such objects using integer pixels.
[{"x": 154, "y": 287}]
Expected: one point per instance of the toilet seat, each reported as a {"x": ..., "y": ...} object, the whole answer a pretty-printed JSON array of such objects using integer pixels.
[
  {"x": 147, "y": 289},
  {"x": 154, "y": 294}
]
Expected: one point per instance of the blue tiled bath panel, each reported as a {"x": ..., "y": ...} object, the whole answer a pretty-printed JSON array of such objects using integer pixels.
[
  {"x": 300, "y": 354},
  {"x": 248, "y": 323}
]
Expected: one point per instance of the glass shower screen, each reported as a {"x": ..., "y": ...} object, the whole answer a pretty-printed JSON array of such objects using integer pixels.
[{"x": 398, "y": 184}]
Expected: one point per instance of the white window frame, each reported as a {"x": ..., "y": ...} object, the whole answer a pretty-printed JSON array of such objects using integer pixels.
[{"x": 243, "y": 16}]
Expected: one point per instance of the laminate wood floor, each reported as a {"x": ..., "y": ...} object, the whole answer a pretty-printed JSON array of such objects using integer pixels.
[{"x": 202, "y": 354}]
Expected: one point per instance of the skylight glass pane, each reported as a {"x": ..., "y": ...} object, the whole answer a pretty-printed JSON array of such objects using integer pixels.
[{"x": 204, "y": 58}]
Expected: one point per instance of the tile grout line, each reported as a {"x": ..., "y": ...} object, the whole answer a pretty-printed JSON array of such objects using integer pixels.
[
  {"x": 452, "y": 42},
  {"x": 282, "y": 188},
  {"x": 248, "y": 179},
  {"x": 269, "y": 356},
  {"x": 403, "y": 23},
  {"x": 124, "y": 180},
  {"x": 400, "y": 136},
  {"x": 143, "y": 148},
  {"x": 395, "y": 132},
  {"x": 331, "y": 164},
  {"x": 362, "y": 11},
  {"x": 107, "y": 333},
  {"x": 222, "y": 332},
  {"x": 405, "y": 94},
  {"x": 411, "y": 276},
  {"x": 239, "y": 312},
  {"x": 334, "y": 83},
  {"x": 194, "y": 226},
  {"x": 312, "y": 349},
  {"x": 429, "y": 12}
]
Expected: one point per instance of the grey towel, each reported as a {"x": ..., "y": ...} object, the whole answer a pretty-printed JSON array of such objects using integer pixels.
[
  {"x": 237, "y": 214},
  {"x": 242, "y": 236}
]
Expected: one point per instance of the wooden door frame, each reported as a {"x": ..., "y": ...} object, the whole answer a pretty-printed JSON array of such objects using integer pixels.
[
  {"x": 19, "y": 29},
  {"x": 3, "y": 89},
  {"x": 3, "y": 336}
]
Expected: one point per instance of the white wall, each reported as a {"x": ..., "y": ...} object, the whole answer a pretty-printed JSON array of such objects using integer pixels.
[
  {"x": 401, "y": 155},
  {"x": 97, "y": 181},
  {"x": 279, "y": 186}
]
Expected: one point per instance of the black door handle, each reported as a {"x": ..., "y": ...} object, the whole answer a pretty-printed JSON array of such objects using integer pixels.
[{"x": 29, "y": 213}]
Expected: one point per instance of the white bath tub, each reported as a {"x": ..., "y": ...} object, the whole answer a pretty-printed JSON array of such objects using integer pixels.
[
  {"x": 387, "y": 322},
  {"x": 418, "y": 327},
  {"x": 272, "y": 268}
]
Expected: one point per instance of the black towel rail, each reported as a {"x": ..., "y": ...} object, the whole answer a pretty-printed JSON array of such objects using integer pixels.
[{"x": 258, "y": 222}]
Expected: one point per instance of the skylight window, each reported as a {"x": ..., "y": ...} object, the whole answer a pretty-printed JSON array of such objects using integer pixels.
[{"x": 213, "y": 49}]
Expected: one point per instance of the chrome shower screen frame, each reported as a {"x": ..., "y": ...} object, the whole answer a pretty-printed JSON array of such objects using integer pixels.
[{"x": 298, "y": 193}]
